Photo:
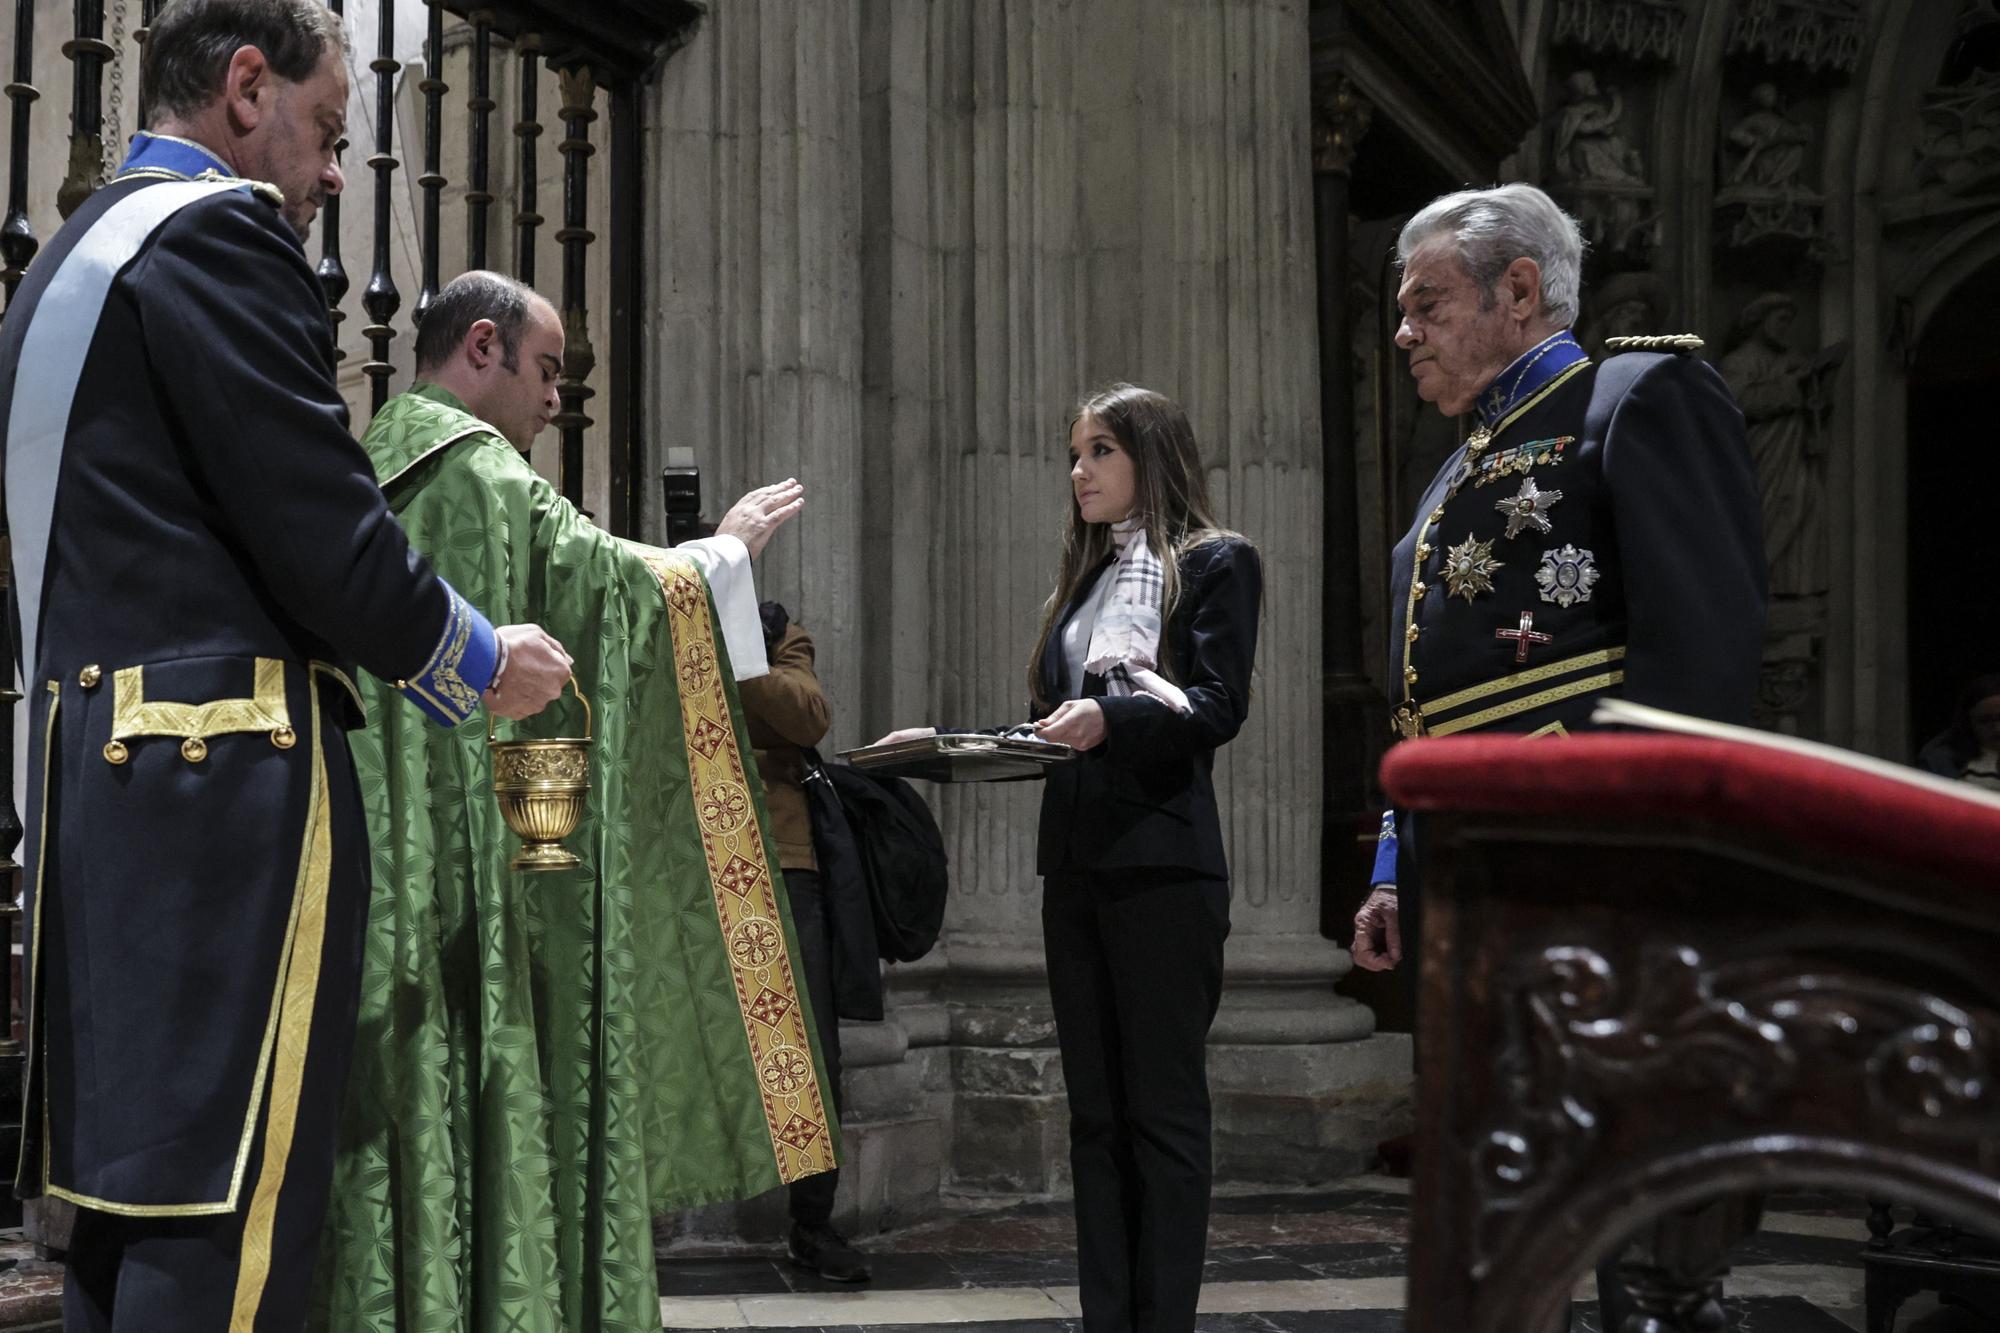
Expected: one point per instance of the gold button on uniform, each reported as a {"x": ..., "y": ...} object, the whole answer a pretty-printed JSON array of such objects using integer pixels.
[
  {"x": 194, "y": 749},
  {"x": 284, "y": 738},
  {"x": 1437, "y": 515},
  {"x": 1418, "y": 590},
  {"x": 116, "y": 753},
  {"x": 89, "y": 676},
  {"x": 1409, "y": 675},
  {"x": 1411, "y": 633},
  {"x": 1423, "y": 550}
]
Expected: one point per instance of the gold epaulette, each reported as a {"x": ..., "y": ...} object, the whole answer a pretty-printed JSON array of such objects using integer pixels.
[{"x": 1654, "y": 342}]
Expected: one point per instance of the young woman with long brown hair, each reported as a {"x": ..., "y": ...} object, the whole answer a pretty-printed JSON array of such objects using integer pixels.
[{"x": 1143, "y": 664}]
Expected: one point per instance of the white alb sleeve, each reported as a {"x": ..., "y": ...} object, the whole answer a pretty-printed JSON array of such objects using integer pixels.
[{"x": 725, "y": 564}]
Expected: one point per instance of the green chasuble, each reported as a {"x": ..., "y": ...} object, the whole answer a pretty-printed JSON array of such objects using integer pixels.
[{"x": 545, "y": 1060}]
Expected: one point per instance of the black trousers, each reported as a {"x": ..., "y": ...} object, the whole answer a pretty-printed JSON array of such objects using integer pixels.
[
  {"x": 1135, "y": 974},
  {"x": 812, "y": 1198},
  {"x": 195, "y": 1274}
]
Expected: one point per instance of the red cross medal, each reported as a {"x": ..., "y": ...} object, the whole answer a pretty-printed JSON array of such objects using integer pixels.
[{"x": 1524, "y": 636}]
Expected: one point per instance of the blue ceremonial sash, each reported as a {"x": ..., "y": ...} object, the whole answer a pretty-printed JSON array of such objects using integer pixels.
[{"x": 59, "y": 334}]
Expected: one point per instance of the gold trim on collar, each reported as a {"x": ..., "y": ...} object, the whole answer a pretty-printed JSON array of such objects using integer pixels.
[
  {"x": 1548, "y": 671},
  {"x": 1563, "y": 377},
  {"x": 201, "y": 148},
  {"x": 132, "y": 715}
]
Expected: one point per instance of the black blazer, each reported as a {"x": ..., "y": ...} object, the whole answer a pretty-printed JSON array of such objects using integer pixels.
[{"x": 1145, "y": 799}]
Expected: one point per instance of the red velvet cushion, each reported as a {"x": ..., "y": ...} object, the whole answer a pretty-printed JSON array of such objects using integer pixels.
[{"x": 1834, "y": 808}]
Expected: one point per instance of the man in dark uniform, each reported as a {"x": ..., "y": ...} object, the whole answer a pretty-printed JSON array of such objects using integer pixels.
[
  {"x": 1597, "y": 535},
  {"x": 202, "y": 555}
]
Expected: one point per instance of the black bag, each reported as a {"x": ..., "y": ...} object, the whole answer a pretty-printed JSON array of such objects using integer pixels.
[
  {"x": 857, "y": 971},
  {"x": 896, "y": 849}
]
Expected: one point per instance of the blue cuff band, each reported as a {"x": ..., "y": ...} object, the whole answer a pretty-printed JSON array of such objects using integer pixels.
[
  {"x": 449, "y": 686},
  {"x": 1385, "y": 851}
]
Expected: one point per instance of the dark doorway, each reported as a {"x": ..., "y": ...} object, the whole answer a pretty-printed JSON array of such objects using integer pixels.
[{"x": 1954, "y": 492}]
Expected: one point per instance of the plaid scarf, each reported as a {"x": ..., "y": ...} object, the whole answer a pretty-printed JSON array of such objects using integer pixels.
[{"x": 1125, "y": 641}]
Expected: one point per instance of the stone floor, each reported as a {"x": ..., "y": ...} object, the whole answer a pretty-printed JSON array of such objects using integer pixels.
[
  {"x": 1329, "y": 1262},
  {"x": 30, "y": 1288}
]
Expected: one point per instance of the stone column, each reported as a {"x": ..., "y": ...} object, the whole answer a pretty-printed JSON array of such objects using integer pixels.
[
  {"x": 755, "y": 341},
  {"x": 999, "y": 206}
]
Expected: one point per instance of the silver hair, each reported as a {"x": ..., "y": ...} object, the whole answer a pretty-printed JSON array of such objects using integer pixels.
[{"x": 1492, "y": 228}]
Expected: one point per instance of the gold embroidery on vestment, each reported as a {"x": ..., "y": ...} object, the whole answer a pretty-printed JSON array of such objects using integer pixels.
[{"x": 741, "y": 885}]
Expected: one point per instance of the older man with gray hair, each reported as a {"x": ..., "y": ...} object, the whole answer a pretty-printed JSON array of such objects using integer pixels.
[{"x": 1598, "y": 533}]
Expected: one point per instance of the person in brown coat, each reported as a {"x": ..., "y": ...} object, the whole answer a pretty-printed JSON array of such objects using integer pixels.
[{"x": 786, "y": 712}]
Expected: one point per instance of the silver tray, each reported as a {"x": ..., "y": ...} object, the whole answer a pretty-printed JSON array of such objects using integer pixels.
[{"x": 962, "y": 758}]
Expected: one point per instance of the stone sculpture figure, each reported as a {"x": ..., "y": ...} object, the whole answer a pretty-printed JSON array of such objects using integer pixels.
[
  {"x": 1785, "y": 407},
  {"x": 1590, "y": 145},
  {"x": 1773, "y": 145},
  {"x": 1604, "y": 174}
]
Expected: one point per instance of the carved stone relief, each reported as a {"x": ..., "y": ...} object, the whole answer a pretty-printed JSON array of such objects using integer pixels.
[
  {"x": 1599, "y": 173},
  {"x": 1763, "y": 201},
  {"x": 1958, "y": 139},
  {"x": 1787, "y": 402},
  {"x": 1958, "y": 149},
  {"x": 1824, "y": 36},
  {"x": 1637, "y": 30}
]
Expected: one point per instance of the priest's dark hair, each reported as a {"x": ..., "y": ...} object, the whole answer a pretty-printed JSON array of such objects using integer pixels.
[
  {"x": 190, "y": 45},
  {"x": 465, "y": 300}
]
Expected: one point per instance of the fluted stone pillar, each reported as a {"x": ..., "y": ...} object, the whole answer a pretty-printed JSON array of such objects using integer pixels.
[{"x": 899, "y": 238}]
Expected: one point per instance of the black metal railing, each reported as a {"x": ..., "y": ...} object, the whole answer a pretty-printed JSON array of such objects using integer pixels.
[{"x": 603, "y": 50}]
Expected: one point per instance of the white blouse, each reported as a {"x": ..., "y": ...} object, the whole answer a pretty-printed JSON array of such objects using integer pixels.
[{"x": 1076, "y": 634}]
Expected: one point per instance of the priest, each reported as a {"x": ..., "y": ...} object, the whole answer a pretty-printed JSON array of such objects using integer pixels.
[{"x": 548, "y": 1059}]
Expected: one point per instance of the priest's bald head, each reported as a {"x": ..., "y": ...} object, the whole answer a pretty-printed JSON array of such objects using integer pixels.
[{"x": 498, "y": 346}]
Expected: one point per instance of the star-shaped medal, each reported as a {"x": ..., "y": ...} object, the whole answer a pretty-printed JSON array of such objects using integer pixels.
[
  {"x": 1528, "y": 508},
  {"x": 1567, "y": 576},
  {"x": 1468, "y": 568}
]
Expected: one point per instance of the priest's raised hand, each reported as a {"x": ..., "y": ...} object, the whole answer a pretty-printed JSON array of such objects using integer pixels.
[{"x": 753, "y": 519}]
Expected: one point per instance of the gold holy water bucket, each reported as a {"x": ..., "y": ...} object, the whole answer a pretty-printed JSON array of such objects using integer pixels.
[{"x": 541, "y": 786}]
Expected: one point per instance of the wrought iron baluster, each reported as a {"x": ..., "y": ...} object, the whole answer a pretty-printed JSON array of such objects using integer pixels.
[
  {"x": 579, "y": 96},
  {"x": 432, "y": 181},
  {"x": 17, "y": 233},
  {"x": 625, "y": 404},
  {"x": 88, "y": 51},
  {"x": 149, "y": 11},
  {"x": 381, "y": 300},
  {"x": 528, "y": 129},
  {"x": 479, "y": 195},
  {"x": 17, "y": 248},
  {"x": 332, "y": 273}
]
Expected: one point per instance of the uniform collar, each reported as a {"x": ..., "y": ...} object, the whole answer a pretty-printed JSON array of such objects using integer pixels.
[
  {"x": 178, "y": 157},
  {"x": 1531, "y": 372}
]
